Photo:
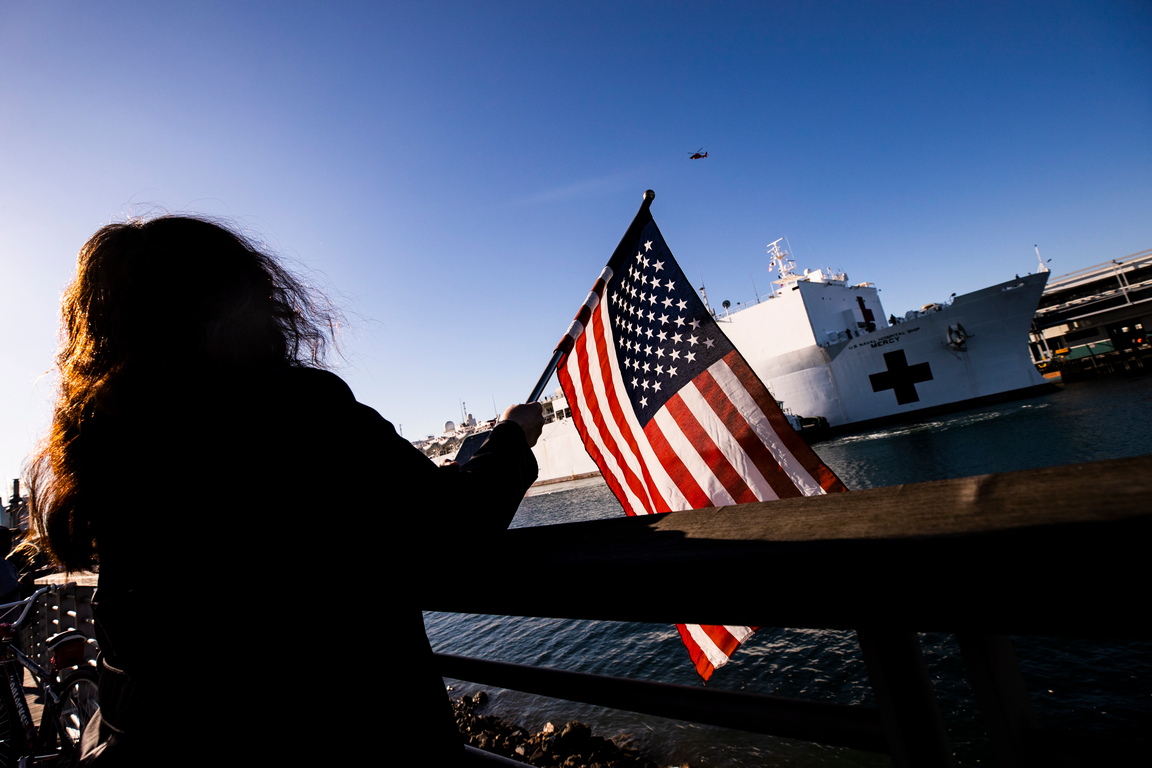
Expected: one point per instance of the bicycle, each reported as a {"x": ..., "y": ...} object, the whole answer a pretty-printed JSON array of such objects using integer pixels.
[{"x": 67, "y": 687}]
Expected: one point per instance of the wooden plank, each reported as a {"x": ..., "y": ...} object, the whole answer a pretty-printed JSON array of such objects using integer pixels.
[{"x": 1012, "y": 553}]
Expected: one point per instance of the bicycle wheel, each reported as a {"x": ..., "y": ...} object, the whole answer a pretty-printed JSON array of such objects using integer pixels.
[
  {"x": 78, "y": 703},
  {"x": 10, "y": 729}
]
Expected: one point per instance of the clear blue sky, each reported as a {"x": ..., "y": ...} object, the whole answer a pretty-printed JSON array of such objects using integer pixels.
[{"x": 455, "y": 174}]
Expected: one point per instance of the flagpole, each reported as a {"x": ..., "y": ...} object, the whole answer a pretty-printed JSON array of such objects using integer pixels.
[
  {"x": 545, "y": 377},
  {"x": 581, "y": 320}
]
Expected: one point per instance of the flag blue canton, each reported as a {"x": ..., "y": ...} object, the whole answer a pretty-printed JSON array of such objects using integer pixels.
[{"x": 665, "y": 336}]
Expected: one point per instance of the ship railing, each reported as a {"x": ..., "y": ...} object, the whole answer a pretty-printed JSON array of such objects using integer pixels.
[{"x": 1024, "y": 553}]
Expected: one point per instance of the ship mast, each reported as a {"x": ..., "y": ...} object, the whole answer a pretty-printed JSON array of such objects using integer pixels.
[{"x": 782, "y": 261}]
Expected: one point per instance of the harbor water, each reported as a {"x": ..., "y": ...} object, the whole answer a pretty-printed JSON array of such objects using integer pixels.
[{"x": 1089, "y": 687}]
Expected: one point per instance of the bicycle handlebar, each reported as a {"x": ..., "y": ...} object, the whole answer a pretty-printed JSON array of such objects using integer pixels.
[{"x": 28, "y": 602}]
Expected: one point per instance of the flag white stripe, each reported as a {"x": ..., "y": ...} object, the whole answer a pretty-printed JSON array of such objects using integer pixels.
[
  {"x": 747, "y": 406},
  {"x": 688, "y": 454},
  {"x": 740, "y": 633},
  {"x": 716, "y": 657},
  {"x": 722, "y": 436}
]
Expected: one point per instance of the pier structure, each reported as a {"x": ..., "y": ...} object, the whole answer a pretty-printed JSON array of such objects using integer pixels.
[
  {"x": 1096, "y": 320},
  {"x": 983, "y": 558}
]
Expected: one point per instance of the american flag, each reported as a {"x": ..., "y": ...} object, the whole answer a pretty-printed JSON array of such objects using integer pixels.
[{"x": 669, "y": 410}]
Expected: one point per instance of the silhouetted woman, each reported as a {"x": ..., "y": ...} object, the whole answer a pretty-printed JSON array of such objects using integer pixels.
[{"x": 248, "y": 518}]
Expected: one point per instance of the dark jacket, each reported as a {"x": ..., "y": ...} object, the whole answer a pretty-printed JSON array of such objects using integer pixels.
[{"x": 259, "y": 537}]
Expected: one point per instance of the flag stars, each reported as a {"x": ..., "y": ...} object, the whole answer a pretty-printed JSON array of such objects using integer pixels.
[
  {"x": 690, "y": 357},
  {"x": 709, "y": 343},
  {"x": 670, "y": 285},
  {"x": 659, "y": 265},
  {"x": 681, "y": 305},
  {"x": 693, "y": 341},
  {"x": 695, "y": 325},
  {"x": 648, "y": 245},
  {"x": 679, "y": 321}
]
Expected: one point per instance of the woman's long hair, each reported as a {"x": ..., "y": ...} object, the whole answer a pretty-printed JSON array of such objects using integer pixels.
[{"x": 152, "y": 297}]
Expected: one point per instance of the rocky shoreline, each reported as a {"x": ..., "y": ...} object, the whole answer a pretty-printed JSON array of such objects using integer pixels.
[{"x": 570, "y": 746}]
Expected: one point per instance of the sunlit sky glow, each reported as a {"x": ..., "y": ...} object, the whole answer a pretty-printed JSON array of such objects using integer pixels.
[{"x": 454, "y": 175}]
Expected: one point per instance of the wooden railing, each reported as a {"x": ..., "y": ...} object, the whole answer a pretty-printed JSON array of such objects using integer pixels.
[{"x": 1035, "y": 552}]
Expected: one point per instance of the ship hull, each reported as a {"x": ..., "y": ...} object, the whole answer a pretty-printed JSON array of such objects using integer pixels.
[{"x": 969, "y": 351}]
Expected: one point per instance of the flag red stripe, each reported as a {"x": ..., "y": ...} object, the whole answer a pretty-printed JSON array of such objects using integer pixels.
[
  {"x": 696, "y": 654},
  {"x": 610, "y": 478},
  {"x": 597, "y": 412},
  {"x": 748, "y": 440},
  {"x": 709, "y": 452},
  {"x": 723, "y": 639},
  {"x": 792, "y": 441},
  {"x": 675, "y": 468},
  {"x": 726, "y": 643}
]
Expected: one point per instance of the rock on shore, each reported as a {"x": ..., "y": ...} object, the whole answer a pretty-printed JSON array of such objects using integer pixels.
[{"x": 570, "y": 746}]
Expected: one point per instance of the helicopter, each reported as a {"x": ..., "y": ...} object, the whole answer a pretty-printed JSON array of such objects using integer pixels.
[{"x": 696, "y": 155}]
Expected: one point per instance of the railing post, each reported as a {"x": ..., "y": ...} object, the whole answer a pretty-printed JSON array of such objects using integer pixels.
[
  {"x": 907, "y": 702},
  {"x": 1000, "y": 694},
  {"x": 69, "y": 606}
]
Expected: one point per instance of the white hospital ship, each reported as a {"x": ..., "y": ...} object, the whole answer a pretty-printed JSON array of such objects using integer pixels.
[{"x": 834, "y": 359}]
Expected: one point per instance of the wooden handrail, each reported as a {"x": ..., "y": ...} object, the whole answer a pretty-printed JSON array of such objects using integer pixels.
[{"x": 1023, "y": 553}]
